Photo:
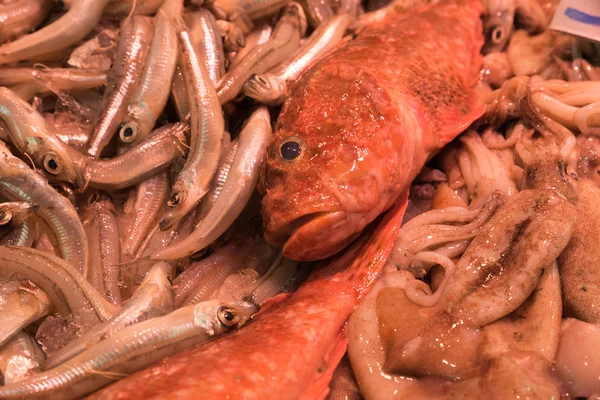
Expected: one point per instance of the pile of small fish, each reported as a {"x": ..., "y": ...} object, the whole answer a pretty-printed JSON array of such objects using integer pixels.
[
  {"x": 128, "y": 168},
  {"x": 138, "y": 157}
]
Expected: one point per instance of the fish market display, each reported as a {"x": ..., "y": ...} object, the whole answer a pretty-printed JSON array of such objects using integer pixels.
[{"x": 341, "y": 199}]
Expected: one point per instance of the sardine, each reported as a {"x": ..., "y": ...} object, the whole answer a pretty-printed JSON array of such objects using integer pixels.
[
  {"x": 233, "y": 36},
  {"x": 133, "y": 348},
  {"x": 22, "y": 16},
  {"x": 21, "y": 235},
  {"x": 21, "y": 303},
  {"x": 280, "y": 275},
  {"x": 189, "y": 281},
  {"x": 283, "y": 43},
  {"x": 123, "y": 79},
  {"x": 20, "y": 358},
  {"x": 204, "y": 33},
  {"x": 152, "y": 155},
  {"x": 15, "y": 212},
  {"x": 272, "y": 88},
  {"x": 207, "y": 128},
  {"x": 68, "y": 290},
  {"x": 153, "y": 298},
  {"x": 219, "y": 179},
  {"x": 72, "y": 27},
  {"x": 54, "y": 80},
  {"x": 149, "y": 99},
  {"x": 239, "y": 186},
  {"x": 29, "y": 132},
  {"x": 243, "y": 12},
  {"x": 150, "y": 198},
  {"x": 57, "y": 215},
  {"x": 258, "y": 36},
  {"x": 102, "y": 231}
]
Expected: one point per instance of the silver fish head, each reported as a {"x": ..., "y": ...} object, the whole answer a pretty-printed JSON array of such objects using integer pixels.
[{"x": 219, "y": 317}]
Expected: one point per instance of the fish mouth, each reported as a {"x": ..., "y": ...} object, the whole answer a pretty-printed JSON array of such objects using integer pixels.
[{"x": 313, "y": 236}]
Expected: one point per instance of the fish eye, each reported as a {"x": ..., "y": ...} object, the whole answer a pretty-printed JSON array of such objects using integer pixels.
[
  {"x": 293, "y": 10},
  {"x": 199, "y": 254},
  {"x": 291, "y": 149},
  {"x": 51, "y": 164},
  {"x": 260, "y": 79},
  {"x": 228, "y": 316},
  {"x": 497, "y": 34},
  {"x": 175, "y": 199},
  {"x": 128, "y": 132},
  {"x": 5, "y": 216}
]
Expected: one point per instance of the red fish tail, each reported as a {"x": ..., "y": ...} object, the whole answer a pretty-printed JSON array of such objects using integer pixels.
[{"x": 363, "y": 261}]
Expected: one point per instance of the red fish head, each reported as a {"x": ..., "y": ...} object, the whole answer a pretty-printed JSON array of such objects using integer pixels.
[{"x": 330, "y": 166}]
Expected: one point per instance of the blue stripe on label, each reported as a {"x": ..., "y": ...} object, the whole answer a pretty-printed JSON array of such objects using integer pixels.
[{"x": 580, "y": 16}]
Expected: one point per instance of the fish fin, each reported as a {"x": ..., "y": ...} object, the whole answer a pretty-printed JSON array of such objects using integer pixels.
[
  {"x": 319, "y": 388},
  {"x": 459, "y": 125},
  {"x": 364, "y": 260}
]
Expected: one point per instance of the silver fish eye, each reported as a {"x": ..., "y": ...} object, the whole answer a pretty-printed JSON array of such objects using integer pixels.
[
  {"x": 128, "y": 132},
  {"x": 497, "y": 34},
  {"x": 51, "y": 164},
  {"x": 292, "y": 149},
  {"x": 175, "y": 199},
  {"x": 228, "y": 316},
  {"x": 5, "y": 217}
]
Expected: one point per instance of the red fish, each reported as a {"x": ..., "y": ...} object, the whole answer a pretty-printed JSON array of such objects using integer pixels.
[
  {"x": 361, "y": 123},
  {"x": 290, "y": 350}
]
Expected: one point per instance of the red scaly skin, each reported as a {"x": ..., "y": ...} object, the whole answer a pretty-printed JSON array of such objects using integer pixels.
[{"x": 368, "y": 117}]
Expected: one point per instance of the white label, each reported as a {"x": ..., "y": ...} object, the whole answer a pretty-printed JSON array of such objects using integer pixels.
[{"x": 578, "y": 17}]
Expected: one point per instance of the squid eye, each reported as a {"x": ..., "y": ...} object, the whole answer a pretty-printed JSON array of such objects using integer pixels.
[
  {"x": 175, "y": 199},
  {"x": 51, "y": 164},
  {"x": 5, "y": 217},
  {"x": 292, "y": 149},
  {"x": 228, "y": 316},
  {"x": 128, "y": 132}
]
